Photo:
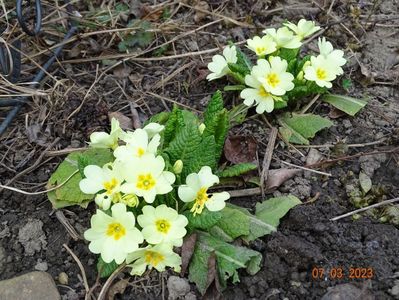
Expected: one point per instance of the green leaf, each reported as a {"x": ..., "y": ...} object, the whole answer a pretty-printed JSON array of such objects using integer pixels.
[
  {"x": 218, "y": 127},
  {"x": 236, "y": 68},
  {"x": 160, "y": 118},
  {"x": 272, "y": 210},
  {"x": 106, "y": 269},
  {"x": 172, "y": 125},
  {"x": 298, "y": 128},
  {"x": 203, "y": 156},
  {"x": 70, "y": 193},
  {"x": 288, "y": 54},
  {"x": 349, "y": 105},
  {"x": 237, "y": 170},
  {"x": 234, "y": 223},
  {"x": 204, "y": 220},
  {"x": 257, "y": 227},
  {"x": 237, "y": 87},
  {"x": 140, "y": 38},
  {"x": 229, "y": 259},
  {"x": 184, "y": 146},
  {"x": 243, "y": 60},
  {"x": 83, "y": 162},
  {"x": 215, "y": 105}
]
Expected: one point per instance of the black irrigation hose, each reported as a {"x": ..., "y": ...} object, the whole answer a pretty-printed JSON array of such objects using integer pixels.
[
  {"x": 20, "y": 101},
  {"x": 38, "y": 17}
]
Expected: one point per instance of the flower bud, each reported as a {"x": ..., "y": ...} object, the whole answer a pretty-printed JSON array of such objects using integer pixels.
[
  {"x": 130, "y": 200},
  {"x": 178, "y": 167},
  {"x": 300, "y": 76},
  {"x": 201, "y": 128}
]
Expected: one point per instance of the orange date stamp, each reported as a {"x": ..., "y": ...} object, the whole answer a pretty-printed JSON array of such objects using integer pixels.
[{"x": 337, "y": 273}]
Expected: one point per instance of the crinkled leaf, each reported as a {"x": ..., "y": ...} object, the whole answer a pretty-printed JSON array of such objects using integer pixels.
[
  {"x": 244, "y": 61},
  {"x": 257, "y": 227},
  {"x": 173, "y": 124},
  {"x": 288, "y": 54},
  {"x": 298, "y": 128},
  {"x": 272, "y": 210},
  {"x": 215, "y": 105},
  {"x": 229, "y": 259},
  {"x": 237, "y": 68},
  {"x": 160, "y": 118},
  {"x": 237, "y": 170},
  {"x": 106, "y": 269},
  {"x": 203, "y": 156},
  {"x": 203, "y": 221},
  {"x": 70, "y": 193},
  {"x": 218, "y": 127},
  {"x": 234, "y": 223},
  {"x": 349, "y": 105}
]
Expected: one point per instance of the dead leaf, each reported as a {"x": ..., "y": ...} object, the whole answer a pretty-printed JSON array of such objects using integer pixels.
[
  {"x": 187, "y": 251},
  {"x": 314, "y": 156},
  {"x": 213, "y": 290},
  {"x": 239, "y": 149},
  {"x": 278, "y": 176},
  {"x": 335, "y": 113},
  {"x": 37, "y": 135},
  {"x": 122, "y": 72},
  {"x": 124, "y": 122},
  {"x": 117, "y": 288},
  {"x": 151, "y": 14},
  {"x": 201, "y": 6},
  {"x": 365, "y": 182}
]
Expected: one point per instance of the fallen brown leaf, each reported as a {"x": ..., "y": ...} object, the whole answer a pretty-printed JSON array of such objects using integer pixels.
[
  {"x": 124, "y": 122},
  {"x": 278, "y": 176},
  {"x": 117, "y": 288},
  {"x": 187, "y": 251},
  {"x": 213, "y": 290},
  {"x": 239, "y": 149}
]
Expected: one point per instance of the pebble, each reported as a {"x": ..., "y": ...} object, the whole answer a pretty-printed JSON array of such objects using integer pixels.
[
  {"x": 41, "y": 266},
  {"x": 177, "y": 287},
  {"x": 63, "y": 278},
  {"x": 32, "y": 237},
  {"x": 34, "y": 285},
  {"x": 347, "y": 291},
  {"x": 190, "y": 296}
]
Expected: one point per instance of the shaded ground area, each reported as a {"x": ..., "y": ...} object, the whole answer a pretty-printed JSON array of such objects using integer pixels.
[{"x": 88, "y": 85}]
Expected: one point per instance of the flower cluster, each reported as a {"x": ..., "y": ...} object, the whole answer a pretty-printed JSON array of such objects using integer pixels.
[
  {"x": 279, "y": 71},
  {"x": 129, "y": 186}
]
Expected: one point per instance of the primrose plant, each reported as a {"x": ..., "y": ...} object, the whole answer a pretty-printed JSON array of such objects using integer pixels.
[
  {"x": 283, "y": 77},
  {"x": 157, "y": 188}
]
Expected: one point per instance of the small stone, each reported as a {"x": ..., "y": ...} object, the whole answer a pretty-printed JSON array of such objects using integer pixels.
[
  {"x": 190, "y": 296},
  {"x": 347, "y": 291},
  {"x": 32, "y": 237},
  {"x": 63, "y": 278},
  {"x": 177, "y": 287},
  {"x": 41, "y": 266},
  {"x": 34, "y": 285}
]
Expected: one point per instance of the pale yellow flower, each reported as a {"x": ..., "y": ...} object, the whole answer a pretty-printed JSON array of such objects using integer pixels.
[
  {"x": 321, "y": 71},
  {"x": 304, "y": 28},
  {"x": 196, "y": 190},
  {"x": 105, "y": 140},
  {"x": 158, "y": 257},
  {"x": 113, "y": 236},
  {"x": 284, "y": 38},
  {"x": 162, "y": 224},
  {"x": 219, "y": 65},
  {"x": 262, "y": 45}
]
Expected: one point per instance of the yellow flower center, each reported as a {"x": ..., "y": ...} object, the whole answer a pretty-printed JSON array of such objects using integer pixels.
[
  {"x": 200, "y": 200},
  {"x": 273, "y": 79},
  {"x": 163, "y": 226},
  {"x": 110, "y": 185},
  {"x": 153, "y": 258},
  {"x": 116, "y": 230},
  {"x": 262, "y": 92},
  {"x": 260, "y": 50},
  {"x": 140, "y": 152},
  {"x": 145, "y": 182},
  {"x": 321, "y": 74}
]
